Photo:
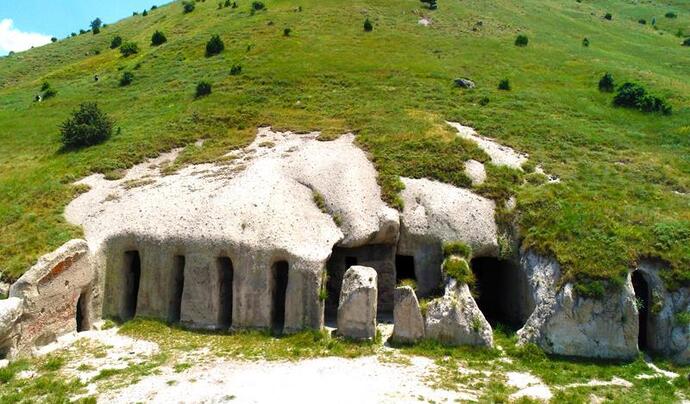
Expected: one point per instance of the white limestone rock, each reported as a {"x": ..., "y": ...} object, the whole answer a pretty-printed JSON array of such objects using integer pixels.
[
  {"x": 455, "y": 319},
  {"x": 476, "y": 171},
  {"x": 357, "y": 307},
  {"x": 408, "y": 323}
]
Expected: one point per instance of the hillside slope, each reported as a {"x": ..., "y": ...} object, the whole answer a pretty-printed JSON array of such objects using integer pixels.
[{"x": 625, "y": 189}]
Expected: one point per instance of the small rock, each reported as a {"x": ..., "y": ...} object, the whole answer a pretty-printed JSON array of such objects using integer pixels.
[
  {"x": 464, "y": 83},
  {"x": 407, "y": 317}
]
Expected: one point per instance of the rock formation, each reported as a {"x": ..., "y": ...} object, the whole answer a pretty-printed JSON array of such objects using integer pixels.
[
  {"x": 357, "y": 308},
  {"x": 408, "y": 323}
]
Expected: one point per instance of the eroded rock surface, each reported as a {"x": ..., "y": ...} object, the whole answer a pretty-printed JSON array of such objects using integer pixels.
[
  {"x": 455, "y": 319},
  {"x": 357, "y": 308},
  {"x": 407, "y": 316}
]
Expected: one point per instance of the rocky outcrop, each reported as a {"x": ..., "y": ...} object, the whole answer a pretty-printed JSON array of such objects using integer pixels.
[
  {"x": 43, "y": 303},
  {"x": 357, "y": 308},
  {"x": 435, "y": 213},
  {"x": 565, "y": 323},
  {"x": 408, "y": 323},
  {"x": 455, "y": 319},
  {"x": 476, "y": 172}
]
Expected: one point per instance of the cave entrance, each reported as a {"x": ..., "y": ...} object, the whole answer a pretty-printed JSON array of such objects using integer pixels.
[
  {"x": 226, "y": 273},
  {"x": 280, "y": 283},
  {"x": 177, "y": 288},
  {"x": 132, "y": 275},
  {"x": 643, "y": 298},
  {"x": 404, "y": 268},
  {"x": 82, "y": 314},
  {"x": 501, "y": 292}
]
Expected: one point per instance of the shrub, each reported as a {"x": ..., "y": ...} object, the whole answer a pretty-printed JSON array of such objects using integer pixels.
[
  {"x": 459, "y": 269},
  {"x": 368, "y": 27},
  {"x": 431, "y": 4},
  {"x": 686, "y": 42},
  {"x": 96, "y": 31},
  {"x": 670, "y": 14},
  {"x": 53, "y": 39},
  {"x": 457, "y": 248},
  {"x": 642, "y": 21},
  {"x": 45, "y": 86},
  {"x": 48, "y": 91},
  {"x": 96, "y": 25},
  {"x": 145, "y": 13},
  {"x": 187, "y": 6},
  {"x": 116, "y": 42},
  {"x": 654, "y": 21},
  {"x": 585, "y": 42},
  {"x": 682, "y": 318},
  {"x": 287, "y": 31},
  {"x": 504, "y": 85},
  {"x": 154, "y": 7},
  {"x": 633, "y": 95},
  {"x": 158, "y": 38},
  {"x": 608, "y": 16},
  {"x": 129, "y": 48},
  {"x": 235, "y": 70},
  {"x": 126, "y": 79},
  {"x": 521, "y": 40},
  {"x": 214, "y": 46},
  {"x": 87, "y": 126},
  {"x": 73, "y": 34},
  {"x": 606, "y": 83},
  {"x": 258, "y": 6},
  {"x": 203, "y": 89},
  {"x": 228, "y": 3}
]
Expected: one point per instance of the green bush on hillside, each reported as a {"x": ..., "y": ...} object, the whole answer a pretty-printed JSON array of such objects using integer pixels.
[
  {"x": 145, "y": 13},
  {"x": 48, "y": 91},
  {"x": 214, "y": 46},
  {"x": 86, "y": 127},
  {"x": 235, "y": 70},
  {"x": 187, "y": 6},
  {"x": 203, "y": 89},
  {"x": 459, "y": 269},
  {"x": 642, "y": 21},
  {"x": 585, "y": 42},
  {"x": 670, "y": 14},
  {"x": 126, "y": 79},
  {"x": 633, "y": 95},
  {"x": 521, "y": 40},
  {"x": 158, "y": 38},
  {"x": 431, "y": 4},
  {"x": 606, "y": 83},
  {"x": 608, "y": 16},
  {"x": 368, "y": 26},
  {"x": 258, "y": 6},
  {"x": 504, "y": 85},
  {"x": 287, "y": 31},
  {"x": 129, "y": 49},
  {"x": 686, "y": 42},
  {"x": 116, "y": 42}
]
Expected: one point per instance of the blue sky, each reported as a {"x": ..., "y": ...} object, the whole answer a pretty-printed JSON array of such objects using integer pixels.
[{"x": 26, "y": 23}]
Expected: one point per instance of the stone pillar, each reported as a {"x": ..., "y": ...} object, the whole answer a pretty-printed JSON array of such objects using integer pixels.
[{"x": 357, "y": 306}]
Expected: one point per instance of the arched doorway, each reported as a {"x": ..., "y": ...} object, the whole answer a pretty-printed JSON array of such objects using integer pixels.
[
  {"x": 643, "y": 299},
  {"x": 280, "y": 283},
  {"x": 82, "y": 314}
]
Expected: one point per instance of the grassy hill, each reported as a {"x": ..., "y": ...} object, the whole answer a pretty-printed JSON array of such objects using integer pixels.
[{"x": 625, "y": 190}]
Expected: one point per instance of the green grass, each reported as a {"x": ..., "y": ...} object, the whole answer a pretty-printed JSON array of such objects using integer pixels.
[{"x": 623, "y": 173}]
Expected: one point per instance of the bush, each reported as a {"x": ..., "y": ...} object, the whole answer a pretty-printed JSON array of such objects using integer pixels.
[
  {"x": 686, "y": 42},
  {"x": 257, "y": 6},
  {"x": 116, "y": 42},
  {"x": 608, "y": 16},
  {"x": 585, "y": 42},
  {"x": 96, "y": 25},
  {"x": 521, "y": 40},
  {"x": 96, "y": 31},
  {"x": 633, "y": 95},
  {"x": 53, "y": 39},
  {"x": 431, "y": 4},
  {"x": 203, "y": 89},
  {"x": 368, "y": 27},
  {"x": 670, "y": 14},
  {"x": 214, "y": 46},
  {"x": 642, "y": 21},
  {"x": 87, "y": 126},
  {"x": 459, "y": 269},
  {"x": 228, "y": 3},
  {"x": 145, "y": 13},
  {"x": 126, "y": 79},
  {"x": 457, "y": 248},
  {"x": 504, "y": 85},
  {"x": 287, "y": 31},
  {"x": 158, "y": 38},
  {"x": 187, "y": 6},
  {"x": 129, "y": 48},
  {"x": 235, "y": 70},
  {"x": 606, "y": 83}
]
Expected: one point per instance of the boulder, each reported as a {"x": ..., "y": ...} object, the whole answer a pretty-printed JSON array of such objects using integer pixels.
[
  {"x": 10, "y": 311},
  {"x": 565, "y": 323},
  {"x": 357, "y": 307},
  {"x": 475, "y": 171},
  {"x": 464, "y": 83},
  {"x": 455, "y": 319},
  {"x": 407, "y": 317}
]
